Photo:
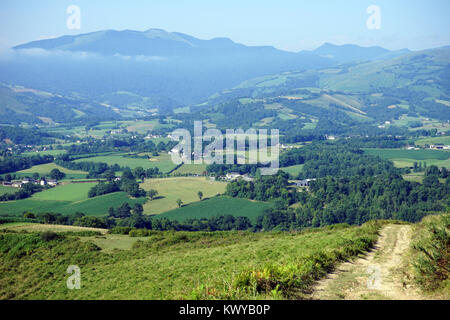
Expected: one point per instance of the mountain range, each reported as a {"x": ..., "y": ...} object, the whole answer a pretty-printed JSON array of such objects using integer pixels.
[
  {"x": 132, "y": 72},
  {"x": 160, "y": 43}
]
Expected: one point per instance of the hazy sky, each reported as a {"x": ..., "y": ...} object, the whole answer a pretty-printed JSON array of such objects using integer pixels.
[{"x": 286, "y": 24}]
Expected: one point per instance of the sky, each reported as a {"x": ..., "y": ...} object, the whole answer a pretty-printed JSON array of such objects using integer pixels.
[{"x": 291, "y": 25}]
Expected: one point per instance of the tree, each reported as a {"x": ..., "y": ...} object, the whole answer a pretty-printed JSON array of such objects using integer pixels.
[
  {"x": 56, "y": 174},
  {"x": 90, "y": 222},
  {"x": 29, "y": 215},
  {"x": 200, "y": 195},
  {"x": 152, "y": 194},
  {"x": 127, "y": 174},
  {"x": 179, "y": 203},
  {"x": 110, "y": 175},
  {"x": 139, "y": 173},
  {"x": 138, "y": 209}
]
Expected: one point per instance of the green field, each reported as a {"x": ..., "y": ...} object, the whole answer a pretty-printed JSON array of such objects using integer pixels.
[
  {"x": 44, "y": 153},
  {"x": 218, "y": 206},
  {"x": 97, "y": 206},
  {"x": 406, "y": 158},
  {"x": 37, "y": 227},
  {"x": 9, "y": 190},
  {"x": 190, "y": 169},
  {"x": 163, "y": 161},
  {"x": 45, "y": 169},
  {"x": 409, "y": 154},
  {"x": 184, "y": 188},
  {"x": 293, "y": 170},
  {"x": 436, "y": 140},
  {"x": 414, "y": 177},
  {"x": 175, "y": 265},
  {"x": 69, "y": 192}
]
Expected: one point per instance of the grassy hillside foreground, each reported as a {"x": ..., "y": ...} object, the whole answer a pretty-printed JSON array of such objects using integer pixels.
[
  {"x": 174, "y": 265},
  {"x": 430, "y": 253}
]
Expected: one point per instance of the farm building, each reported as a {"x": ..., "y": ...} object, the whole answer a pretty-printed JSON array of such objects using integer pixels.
[
  {"x": 303, "y": 183},
  {"x": 234, "y": 176},
  {"x": 28, "y": 180},
  {"x": 17, "y": 184}
]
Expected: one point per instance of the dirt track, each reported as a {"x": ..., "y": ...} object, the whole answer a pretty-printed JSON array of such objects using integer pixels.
[{"x": 378, "y": 275}]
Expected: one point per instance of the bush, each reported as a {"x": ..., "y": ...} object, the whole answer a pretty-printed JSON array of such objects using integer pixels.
[
  {"x": 29, "y": 215},
  {"x": 90, "y": 222},
  {"x": 432, "y": 252},
  {"x": 48, "y": 236},
  {"x": 120, "y": 230}
]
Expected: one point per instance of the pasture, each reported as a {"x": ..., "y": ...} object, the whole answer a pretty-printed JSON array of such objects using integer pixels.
[
  {"x": 8, "y": 190},
  {"x": 170, "y": 265},
  {"x": 406, "y": 158},
  {"x": 45, "y": 169},
  {"x": 163, "y": 161},
  {"x": 44, "y": 153},
  {"x": 435, "y": 140},
  {"x": 97, "y": 206},
  {"x": 190, "y": 169},
  {"x": 68, "y": 192},
  {"x": 36, "y": 227},
  {"x": 184, "y": 188},
  {"x": 218, "y": 206},
  {"x": 293, "y": 170}
]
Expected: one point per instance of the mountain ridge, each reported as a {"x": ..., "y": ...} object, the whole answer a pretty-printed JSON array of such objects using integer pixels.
[{"x": 79, "y": 43}]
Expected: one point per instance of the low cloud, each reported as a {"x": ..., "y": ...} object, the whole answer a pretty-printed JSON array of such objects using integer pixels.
[{"x": 8, "y": 53}]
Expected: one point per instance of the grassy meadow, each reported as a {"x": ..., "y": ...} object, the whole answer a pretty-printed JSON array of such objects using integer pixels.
[
  {"x": 67, "y": 192},
  {"x": 406, "y": 158},
  {"x": 8, "y": 190},
  {"x": 184, "y": 188},
  {"x": 190, "y": 169},
  {"x": 293, "y": 170},
  {"x": 169, "y": 265},
  {"x": 430, "y": 256},
  {"x": 45, "y": 169},
  {"x": 163, "y": 161},
  {"x": 435, "y": 140},
  {"x": 68, "y": 203},
  {"x": 35, "y": 227},
  {"x": 44, "y": 153},
  {"x": 218, "y": 206}
]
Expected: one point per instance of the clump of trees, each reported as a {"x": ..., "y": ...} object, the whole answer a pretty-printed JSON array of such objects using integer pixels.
[
  {"x": 16, "y": 163},
  {"x": 127, "y": 183},
  {"x": 26, "y": 191}
]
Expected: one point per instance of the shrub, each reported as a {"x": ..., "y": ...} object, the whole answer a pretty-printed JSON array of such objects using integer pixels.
[
  {"x": 120, "y": 230},
  {"x": 29, "y": 215},
  {"x": 48, "y": 236},
  {"x": 432, "y": 252}
]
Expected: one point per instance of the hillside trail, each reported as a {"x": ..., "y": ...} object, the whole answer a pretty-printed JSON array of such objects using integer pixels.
[{"x": 381, "y": 274}]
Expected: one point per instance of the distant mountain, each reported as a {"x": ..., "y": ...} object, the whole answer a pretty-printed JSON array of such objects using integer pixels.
[
  {"x": 350, "y": 52},
  {"x": 25, "y": 105},
  {"x": 153, "y": 42},
  {"x": 131, "y": 73},
  {"x": 337, "y": 100},
  {"x": 169, "y": 68}
]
